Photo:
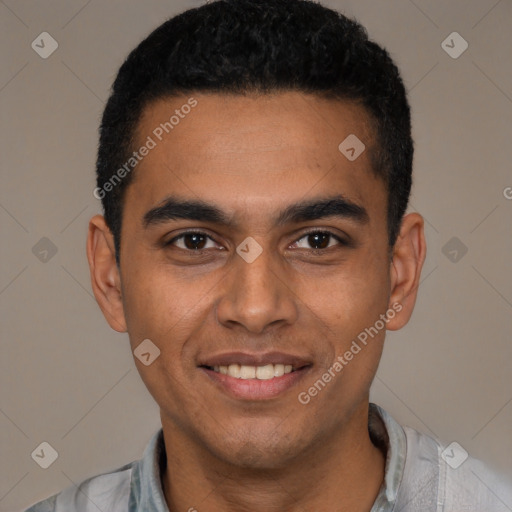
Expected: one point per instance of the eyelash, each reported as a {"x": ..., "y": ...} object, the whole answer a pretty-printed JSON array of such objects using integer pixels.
[{"x": 341, "y": 241}]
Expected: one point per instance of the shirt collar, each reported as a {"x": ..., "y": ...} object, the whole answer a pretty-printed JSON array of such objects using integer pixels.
[
  {"x": 146, "y": 489},
  {"x": 386, "y": 431}
]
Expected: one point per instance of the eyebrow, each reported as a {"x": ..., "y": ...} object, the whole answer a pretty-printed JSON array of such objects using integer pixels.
[{"x": 173, "y": 208}]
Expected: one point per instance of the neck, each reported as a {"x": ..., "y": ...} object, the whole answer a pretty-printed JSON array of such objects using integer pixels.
[{"x": 344, "y": 472}]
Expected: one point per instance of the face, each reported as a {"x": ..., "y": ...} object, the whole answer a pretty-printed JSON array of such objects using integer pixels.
[{"x": 250, "y": 244}]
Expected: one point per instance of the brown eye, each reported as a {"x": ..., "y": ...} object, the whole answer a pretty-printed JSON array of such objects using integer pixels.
[
  {"x": 191, "y": 241},
  {"x": 318, "y": 240}
]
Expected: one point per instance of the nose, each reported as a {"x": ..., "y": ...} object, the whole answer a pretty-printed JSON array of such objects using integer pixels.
[{"x": 256, "y": 295}]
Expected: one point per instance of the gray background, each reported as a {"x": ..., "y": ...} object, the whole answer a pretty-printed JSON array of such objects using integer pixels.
[{"x": 69, "y": 380}]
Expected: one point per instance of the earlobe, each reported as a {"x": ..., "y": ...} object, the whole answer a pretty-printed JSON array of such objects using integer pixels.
[
  {"x": 408, "y": 256},
  {"x": 105, "y": 278}
]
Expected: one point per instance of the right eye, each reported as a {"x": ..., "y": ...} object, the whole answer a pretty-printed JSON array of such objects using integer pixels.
[{"x": 191, "y": 241}]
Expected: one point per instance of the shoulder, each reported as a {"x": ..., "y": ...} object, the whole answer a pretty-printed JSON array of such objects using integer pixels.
[
  {"x": 107, "y": 491},
  {"x": 458, "y": 481},
  {"x": 113, "y": 491}
]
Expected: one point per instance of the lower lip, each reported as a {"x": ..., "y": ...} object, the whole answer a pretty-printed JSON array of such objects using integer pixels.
[{"x": 255, "y": 389}]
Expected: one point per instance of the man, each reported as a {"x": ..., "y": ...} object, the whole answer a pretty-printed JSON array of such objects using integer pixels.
[{"x": 254, "y": 168}]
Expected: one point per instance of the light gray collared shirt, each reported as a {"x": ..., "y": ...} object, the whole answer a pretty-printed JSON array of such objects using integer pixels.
[{"x": 421, "y": 475}]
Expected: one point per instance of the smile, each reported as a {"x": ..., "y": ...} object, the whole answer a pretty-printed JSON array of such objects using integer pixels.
[{"x": 241, "y": 371}]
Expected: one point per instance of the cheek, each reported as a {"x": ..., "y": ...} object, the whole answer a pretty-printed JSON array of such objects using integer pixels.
[
  {"x": 162, "y": 308},
  {"x": 156, "y": 304},
  {"x": 349, "y": 298}
]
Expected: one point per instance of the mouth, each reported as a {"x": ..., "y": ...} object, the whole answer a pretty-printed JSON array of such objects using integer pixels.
[
  {"x": 245, "y": 372},
  {"x": 255, "y": 377}
]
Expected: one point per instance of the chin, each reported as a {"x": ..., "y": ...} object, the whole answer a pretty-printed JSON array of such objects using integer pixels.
[
  {"x": 254, "y": 457},
  {"x": 274, "y": 450}
]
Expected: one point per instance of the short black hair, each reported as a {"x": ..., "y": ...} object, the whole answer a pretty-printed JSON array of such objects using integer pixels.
[{"x": 261, "y": 46}]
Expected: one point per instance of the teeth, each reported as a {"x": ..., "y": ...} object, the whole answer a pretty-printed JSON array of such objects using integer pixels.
[
  {"x": 234, "y": 370},
  {"x": 247, "y": 372},
  {"x": 265, "y": 372},
  {"x": 269, "y": 371},
  {"x": 278, "y": 370}
]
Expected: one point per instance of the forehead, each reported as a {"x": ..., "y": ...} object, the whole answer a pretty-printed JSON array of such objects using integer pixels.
[{"x": 253, "y": 153}]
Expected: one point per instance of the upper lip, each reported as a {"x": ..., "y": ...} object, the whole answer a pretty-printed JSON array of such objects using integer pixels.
[{"x": 248, "y": 359}]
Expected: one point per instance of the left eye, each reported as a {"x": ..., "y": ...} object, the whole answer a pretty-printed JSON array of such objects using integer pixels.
[{"x": 320, "y": 240}]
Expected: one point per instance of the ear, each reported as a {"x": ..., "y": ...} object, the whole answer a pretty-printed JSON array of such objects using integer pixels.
[
  {"x": 105, "y": 278},
  {"x": 408, "y": 256}
]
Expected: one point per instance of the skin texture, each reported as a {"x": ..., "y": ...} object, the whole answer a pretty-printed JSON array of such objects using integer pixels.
[{"x": 252, "y": 156}]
